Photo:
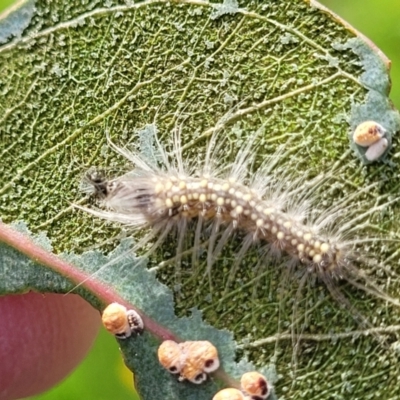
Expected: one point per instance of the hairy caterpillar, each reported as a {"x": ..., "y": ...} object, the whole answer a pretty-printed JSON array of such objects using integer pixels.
[{"x": 211, "y": 202}]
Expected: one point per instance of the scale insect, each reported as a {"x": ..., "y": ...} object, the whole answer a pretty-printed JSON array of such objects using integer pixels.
[
  {"x": 121, "y": 322},
  {"x": 254, "y": 386},
  {"x": 192, "y": 360},
  {"x": 211, "y": 203}
]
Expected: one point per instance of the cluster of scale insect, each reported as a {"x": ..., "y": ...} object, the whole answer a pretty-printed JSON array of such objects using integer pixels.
[
  {"x": 194, "y": 360},
  {"x": 190, "y": 360}
]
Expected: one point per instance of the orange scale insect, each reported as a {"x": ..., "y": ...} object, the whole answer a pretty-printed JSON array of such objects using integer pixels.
[
  {"x": 201, "y": 358},
  {"x": 368, "y": 133},
  {"x": 256, "y": 385},
  {"x": 120, "y": 321},
  {"x": 170, "y": 356},
  {"x": 229, "y": 394}
]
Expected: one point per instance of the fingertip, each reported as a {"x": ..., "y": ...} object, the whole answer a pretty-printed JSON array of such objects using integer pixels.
[{"x": 43, "y": 338}]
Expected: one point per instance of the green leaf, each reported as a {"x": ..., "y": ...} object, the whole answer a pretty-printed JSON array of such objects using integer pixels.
[{"x": 70, "y": 72}]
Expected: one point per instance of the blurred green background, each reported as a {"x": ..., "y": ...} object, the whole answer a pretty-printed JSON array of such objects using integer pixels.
[
  {"x": 103, "y": 375},
  {"x": 379, "y": 20}
]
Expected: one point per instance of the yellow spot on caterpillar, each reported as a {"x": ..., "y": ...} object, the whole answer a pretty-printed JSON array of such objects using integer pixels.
[
  {"x": 259, "y": 223},
  {"x": 287, "y": 224},
  {"x": 300, "y": 247},
  {"x": 182, "y": 185},
  {"x": 247, "y": 197},
  {"x": 169, "y": 203},
  {"x": 239, "y": 209},
  {"x": 204, "y": 183},
  {"x": 317, "y": 258},
  {"x": 280, "y": 235},
  {"x": 307, "y": 237},
  {"x": 203, "y": 198},
  {"x": 159, "y": 188},
  {"x": 325, "y": 248},
  {"x": 168, "y": 185},
  {"x": 175, "y": 198},
  {"x": 183, "y": 200},
  {"x": 259, "y": 208},
  {"x": 220, "y": 201}
]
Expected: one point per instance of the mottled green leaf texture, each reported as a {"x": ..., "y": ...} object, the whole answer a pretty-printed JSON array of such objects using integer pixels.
[{"x": 72, "y": 71}]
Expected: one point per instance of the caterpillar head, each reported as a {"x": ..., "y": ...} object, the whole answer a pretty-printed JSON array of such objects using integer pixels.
[{"x": 95, "y": 183}]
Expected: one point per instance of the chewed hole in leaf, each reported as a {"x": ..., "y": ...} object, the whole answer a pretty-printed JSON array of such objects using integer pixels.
[{"x": 77, "y": 73}]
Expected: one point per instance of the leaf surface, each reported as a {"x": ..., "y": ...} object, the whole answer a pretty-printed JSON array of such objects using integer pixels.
[{"x": 72, "y": 71}]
